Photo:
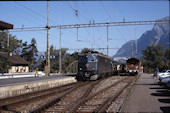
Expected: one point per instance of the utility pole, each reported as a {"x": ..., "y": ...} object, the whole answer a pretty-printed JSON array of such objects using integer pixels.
[
  {"x": 60, "y": 66},
  {"x": 8, "y": 43},
  {"x": 77, "y": 34},
  {"x": 8, "y": 40},
  {"x": 136, "y": 43},
  {"x": 132, "y": 49},
  {"x": 47, "y": 67},
  {"x": 107, "y": 42}
]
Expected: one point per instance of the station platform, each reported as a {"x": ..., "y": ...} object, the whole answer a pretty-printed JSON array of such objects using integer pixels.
[
  {"x": 16, "y": 86},
  {"x": 147, "y": 96}
]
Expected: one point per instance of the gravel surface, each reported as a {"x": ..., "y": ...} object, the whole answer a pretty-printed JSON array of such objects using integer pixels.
[
  {"x": 116, "y": 105},
  {"x": 105, "y": 83},
  {"x": 96, "y": 101},
  {"x": 70, "y": 99}
]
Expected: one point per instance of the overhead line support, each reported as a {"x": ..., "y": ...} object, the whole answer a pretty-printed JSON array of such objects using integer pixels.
[
  {"x": 110, "y": 24},
  {"x": 47, "y": 67},
  {"x": 91, "y": 25},
  {"x": 60, "y": 64}
]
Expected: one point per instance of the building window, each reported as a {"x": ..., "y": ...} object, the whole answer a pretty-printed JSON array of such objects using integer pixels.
[
  {"x": 17, "y": 69},
  {"x": 24, "y": 68}
]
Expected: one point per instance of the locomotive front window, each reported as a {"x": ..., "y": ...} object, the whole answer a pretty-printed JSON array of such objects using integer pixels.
[{"x": 91, "y": 58}]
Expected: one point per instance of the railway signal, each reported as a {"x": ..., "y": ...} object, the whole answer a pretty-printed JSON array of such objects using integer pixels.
[{"x": 51, "y": 57}]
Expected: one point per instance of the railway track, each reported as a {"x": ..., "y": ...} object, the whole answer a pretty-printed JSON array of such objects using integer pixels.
[
  {"x": 83, "y": 100},
  {"x": 25, "y": 102},
  {"x": 93, "y": 96},
  {"x": 99, "y": 101},
  {"x": 67, "y": 100}
]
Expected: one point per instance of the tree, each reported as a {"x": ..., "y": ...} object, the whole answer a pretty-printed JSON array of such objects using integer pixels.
[
  {"x": 25, "y": 51},
  {"x": 66, "y": 59},
  {"x": 33, "y": 51},
  {"x": 14, "y": 44},
  {"x": 30, "y": 52},
  {"x": 167, "y": 58},
  {"x": 153, "y": 57},
  {"x": 54, "y": 62},
  {"x": 4, "y": 65}
]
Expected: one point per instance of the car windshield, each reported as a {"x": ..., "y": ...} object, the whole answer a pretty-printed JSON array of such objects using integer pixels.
[
  {"x": 163, "y": 71},
  {"x": 82, "y": 59},
  {"x": 91, "y": 58},
  {"x": 133, "y": 61}
]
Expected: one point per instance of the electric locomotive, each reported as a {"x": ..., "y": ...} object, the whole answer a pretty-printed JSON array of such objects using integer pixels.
[
  {"x": 133, "y": 66},
  {"x": 93, "y": 66}
]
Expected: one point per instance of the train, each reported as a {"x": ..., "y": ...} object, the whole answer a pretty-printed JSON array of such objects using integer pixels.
[
  {"x": 133, "y": 66},
  {"x": 92, "y": 66}
]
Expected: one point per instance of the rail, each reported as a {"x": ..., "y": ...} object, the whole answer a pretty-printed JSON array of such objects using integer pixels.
[
  {"x": 72, "y": 110},
  {"x": 107, "y": 103},
  {"x": 84, "y": 96},
  {"x": 53, "y": 101}
]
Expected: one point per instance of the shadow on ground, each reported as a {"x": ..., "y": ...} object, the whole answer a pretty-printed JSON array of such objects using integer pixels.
[
  {"x": 165, "y": 109},
  {"x": 162, "y": 92}
]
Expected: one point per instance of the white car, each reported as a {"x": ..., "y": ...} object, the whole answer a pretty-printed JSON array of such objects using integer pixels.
[{"x": 165, "y": 74}]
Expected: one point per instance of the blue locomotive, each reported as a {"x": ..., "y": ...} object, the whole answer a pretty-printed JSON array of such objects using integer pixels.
[{"x": 92, "y": 66}]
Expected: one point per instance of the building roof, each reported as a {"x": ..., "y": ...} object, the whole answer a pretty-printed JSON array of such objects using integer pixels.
[
  {"x": 4, "y": 25},
  {"x": 15, "y": 59}
]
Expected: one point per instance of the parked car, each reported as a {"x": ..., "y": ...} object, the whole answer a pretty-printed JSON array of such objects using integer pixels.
[
  {"x": 164, "y": 74},
  {"x": 164, "y": 80},
  {"x": 161, "y": 72},
  {"x": 168, "y": 85}
]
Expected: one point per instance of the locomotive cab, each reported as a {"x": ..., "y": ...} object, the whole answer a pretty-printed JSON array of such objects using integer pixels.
[
  {"x": 133, "y": 66},
  {"x": 93, "y": 66},
  {"x": 87, "y": 67}
]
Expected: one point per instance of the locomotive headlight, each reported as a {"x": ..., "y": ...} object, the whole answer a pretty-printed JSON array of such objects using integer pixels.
[
  {"x": 80, "y": 68},
  {"x": 93, "y": 68}
]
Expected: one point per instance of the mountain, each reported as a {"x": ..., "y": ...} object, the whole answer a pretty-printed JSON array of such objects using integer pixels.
[{"x": 160, "y": 35}]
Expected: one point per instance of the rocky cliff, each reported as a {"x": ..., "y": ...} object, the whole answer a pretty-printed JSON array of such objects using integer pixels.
[{"x": 160, "y": 35}]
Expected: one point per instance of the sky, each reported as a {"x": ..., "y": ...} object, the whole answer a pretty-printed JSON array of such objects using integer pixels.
[{"x": 34, "y": 14}]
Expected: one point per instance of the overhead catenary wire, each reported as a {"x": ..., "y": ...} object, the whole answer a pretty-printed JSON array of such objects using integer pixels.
[
  {"x": 124, "y": 19},
  {"x": 77, "y": 13},
  {"x": 106, "y": 11},
  {"x": 93, "y": 48},
  {"x": 34, "y": 12},
  {"x": 30, "y": 9},
  {"x": 96, "y": 25},
  {"x": 21, "y": 16},
  {"x": 112, "y": 20},
  {"x": 120, "y": 10}
]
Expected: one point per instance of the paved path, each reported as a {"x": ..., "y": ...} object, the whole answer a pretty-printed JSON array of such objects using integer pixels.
[
  {"x": 147, "y": 96},
  {"x": 12, "y": 81}
]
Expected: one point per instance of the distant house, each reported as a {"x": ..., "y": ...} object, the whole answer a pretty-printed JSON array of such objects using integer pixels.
[
  {"x": 4, "y": 25},
  {"x": 19, "y": 64}
]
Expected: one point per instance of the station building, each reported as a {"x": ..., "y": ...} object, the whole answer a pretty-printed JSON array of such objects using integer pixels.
[
  {"x": 18, "y": 63},
  {"x": 5, "y": 26}
]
